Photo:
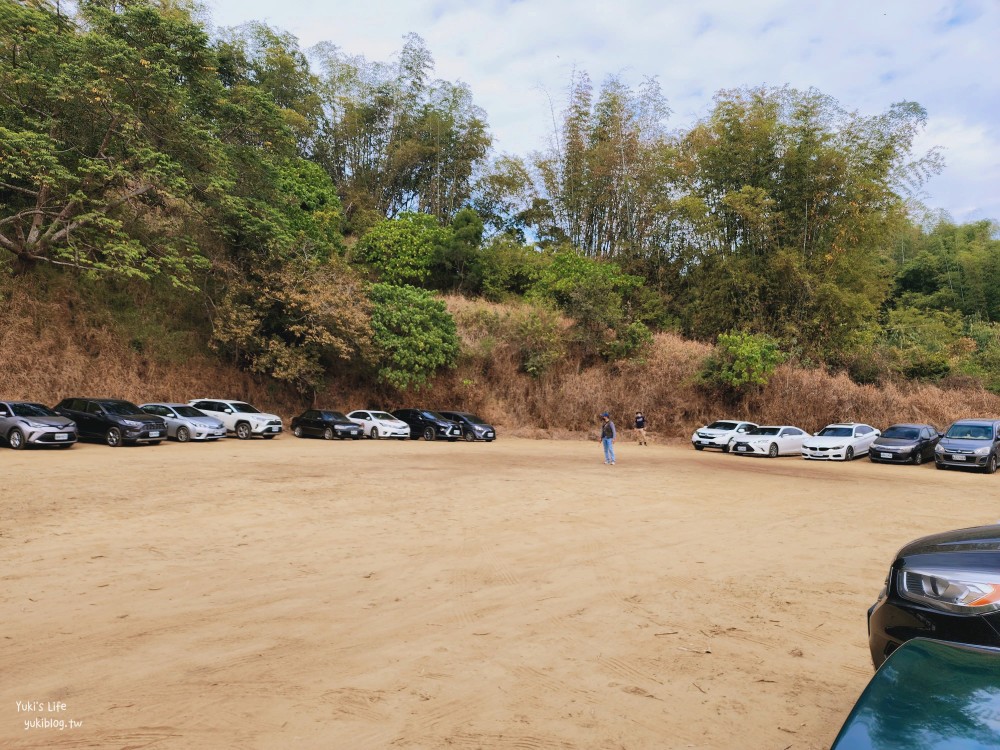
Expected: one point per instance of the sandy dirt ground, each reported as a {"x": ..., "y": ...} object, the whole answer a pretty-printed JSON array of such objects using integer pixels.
[{"x": 520, "y": 595}]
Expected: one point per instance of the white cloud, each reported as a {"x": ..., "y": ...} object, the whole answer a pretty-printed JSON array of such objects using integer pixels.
[{"x": 515, "y": 54}]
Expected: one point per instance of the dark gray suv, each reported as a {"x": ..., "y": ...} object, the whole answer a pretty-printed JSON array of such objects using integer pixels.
[{"x": 970, "y": 443}]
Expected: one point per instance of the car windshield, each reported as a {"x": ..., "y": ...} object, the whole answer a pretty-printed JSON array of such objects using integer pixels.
[
  {"x": 723, "y": 426},
  {"x": 433, "y": 415},
  {"x": 336, "y": 415},
  {"x": 121, "y": 408},
  {"x": 765, "y": 431},
  {"x": 383, "y": 415},
  {"x": 188, "y": 411},
  {"x": 835, "y": 432},
  {"x": 242, "y": 408},
  {"x": 470, "y": 417},
  {"x": 970, "y": 432},
  {"x": 32, "y": 410},
  {"x": 901, "y": 433}
]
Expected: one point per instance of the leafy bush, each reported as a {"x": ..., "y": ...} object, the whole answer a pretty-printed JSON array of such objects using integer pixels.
[
  {"x": 413, "y": 333},
  {"x": 541, "y": 341},
  {"x": 402, "y": 250},
  {"x": 741, "y": 361}
]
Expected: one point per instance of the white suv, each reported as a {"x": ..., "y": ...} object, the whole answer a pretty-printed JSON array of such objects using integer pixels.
[
  {"x": 240, "y": 418},
  {"x": 720, "y": 434}
]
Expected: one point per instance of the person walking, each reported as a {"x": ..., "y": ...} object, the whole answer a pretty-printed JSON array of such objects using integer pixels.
[
  {"x": 608, "y": 435},
  {"x": 640, "y": 428}
]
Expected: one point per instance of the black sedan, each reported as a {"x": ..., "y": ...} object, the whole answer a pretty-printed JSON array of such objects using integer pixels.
[
  {"x": 113, "y": 421},
  {"x": 325, "y": 424},
  {"x": 429, "y": 425},
  {"x": 905, "y": 443},
  {"x": 944, "y": 586},
  {"x": 473, "y": 428}
]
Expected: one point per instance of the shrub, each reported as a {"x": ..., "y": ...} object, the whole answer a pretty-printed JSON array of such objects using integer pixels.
[
  {"x": 402, "y": 250},
  {"x": 741, "y": 361}
]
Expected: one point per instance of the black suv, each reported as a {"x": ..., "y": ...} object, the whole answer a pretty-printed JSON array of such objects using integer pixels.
[
  {"x": 473, "y": 428},
  {"x": 325, "y": 424},
  {"x": 428, "y": 424},
  {"x": 113, "y": 421},
  {"x": 944, "y": 586},
  {"x": 970, "y": 443}
]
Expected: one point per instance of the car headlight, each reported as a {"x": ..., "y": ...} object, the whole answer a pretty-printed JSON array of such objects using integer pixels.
[
  {"x": 939, "y": 448},
  {"x": 130, "y": 423},
  {"x": 964, "y": 592},
  {"x": 982, "y": 451},
  {"x": 837, "y": 448},
  {"x": 34, "y": 425}
]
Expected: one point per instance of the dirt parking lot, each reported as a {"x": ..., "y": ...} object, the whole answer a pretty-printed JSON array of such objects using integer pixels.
[{"x": 305, "y": 594}]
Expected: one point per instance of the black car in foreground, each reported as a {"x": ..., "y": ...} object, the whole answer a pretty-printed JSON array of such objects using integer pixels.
[
  {"x": 325, "y": 424},
  {"x": 113, "y": 421},
  {"x": 970, "y": 443},
  {"x": 905, "y": 443},
  {"x": 429, "y": 425},
  {"x": 473, "y": 428},
  {"x": 944, "y": 586}
]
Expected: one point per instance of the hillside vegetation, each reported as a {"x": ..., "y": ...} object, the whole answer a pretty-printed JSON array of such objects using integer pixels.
[{"x": 186, "y": 213}]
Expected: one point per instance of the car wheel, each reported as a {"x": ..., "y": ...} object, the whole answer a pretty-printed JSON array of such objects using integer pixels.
[
  {"x": 726, "y": 448},
  {"x": 429, "y": 433},
  {"x": 183, "y": 434},
  {"x": 16, "y": 439},
  {"x": 991, "y": 465},
  {"x": 297, "y": 431},
  {"x": 849, "y": 454},
  {"x": 243, "y": 430},
  {"x": 699, "y": 447},
  {"x": 374, "y": 433},
  {"x": 772, "y": 452},
  {"x": 470, "y": 437},
  {"x": 328, "y": 433},
  {"x": 113, "y": 437},
  {"x": 918, "y": 457}
]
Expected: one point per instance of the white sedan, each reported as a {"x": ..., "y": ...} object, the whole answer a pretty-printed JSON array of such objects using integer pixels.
[
  {"x": 840, "y": 442},
  {"x": 380, "y": 424},
  {"x": 720, "y": 434},
  {"x": 771, "y": 441}
]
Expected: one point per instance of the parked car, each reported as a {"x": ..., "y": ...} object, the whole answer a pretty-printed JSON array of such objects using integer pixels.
[
  {"x": 380, "y": 424},
  {"x": 325, "y": 424},
  {"x": 970, "y": 443},
  {"x": 473, "y": 428},
  {"x": 840, "y": 442},
  {"x": 112, "y": 420},
  {"x": 185, "y": 423},
  {"x": 428, "y": 424},
  {"x": 905, "y": 443},
  {"x": 944, "y": 586},
  {"x": 23, "y": 423},
  {"x": 240, "y": 418},
  {"x": 771, "y": 441},
  {"x": 720, "y": 434},
  {"x": 930, "y": 695}
]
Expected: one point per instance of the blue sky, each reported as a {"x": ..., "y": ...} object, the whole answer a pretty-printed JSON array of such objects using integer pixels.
[{"x": 517, "y": 56}]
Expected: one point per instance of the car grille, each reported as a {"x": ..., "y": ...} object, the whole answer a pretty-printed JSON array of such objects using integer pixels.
[{"x": 274, "y": 421}]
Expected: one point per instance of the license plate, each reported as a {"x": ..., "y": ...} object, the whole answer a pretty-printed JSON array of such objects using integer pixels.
[
  {"x": 154, "y": 433},
  {"x": 885, "y": 455},
  {"x": 62, "y": 436},
  {"x": 958, "y": 458},
  {"x": 741, "y": 448},
  {"x": 489, "y": 434}
]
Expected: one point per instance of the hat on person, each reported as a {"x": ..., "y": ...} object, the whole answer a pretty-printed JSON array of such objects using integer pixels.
[{"x": 605, "y": 414}]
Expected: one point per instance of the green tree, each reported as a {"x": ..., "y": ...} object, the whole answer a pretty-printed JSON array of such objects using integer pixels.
[
  {"x": 740, "y": 361},
  {"x": 402, "y": 250}
]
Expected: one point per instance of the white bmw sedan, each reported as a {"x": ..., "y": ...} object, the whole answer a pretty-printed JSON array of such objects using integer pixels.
[
  {"x": 840, "y": 442},
  {"x": 379, "y": 424},
  {"x": 771, "y": 441}
]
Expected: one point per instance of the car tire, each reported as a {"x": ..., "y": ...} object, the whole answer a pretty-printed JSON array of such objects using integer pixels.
[
  {"x": 772, "y": 452},
  {"x": 374, "y": 433},
  {"x": 297, "y": 431},
  {"x": 429, "y": 433},
  {"x": 849, "y": 454},
  {"x": 113, "y": 437},
  {"x": 328, "y": 434},
  {"x": 699, "y": 447},
  {"x": 918, "y": 457},
  {"x": 727, "y": 446},
  {"x": 183, "y": 434},
  {"x": 15, "y": 439},
  {"x": 243, "y": 430},
  {"x": 470, "y": 437},
  {"x": 991, "y": 465}
]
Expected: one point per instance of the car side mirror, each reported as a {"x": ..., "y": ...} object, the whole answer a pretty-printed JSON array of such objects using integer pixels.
[
  {"x": 815, "y": 434},
  {"x": 741, "y": 431},
  {"x": 228, "y": 411}
]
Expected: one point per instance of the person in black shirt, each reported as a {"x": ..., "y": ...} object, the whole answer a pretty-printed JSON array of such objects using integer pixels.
[
  {"x": 640, "y": 427},
  {"x": 608, "y": 435}
]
